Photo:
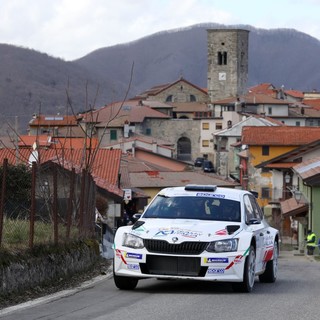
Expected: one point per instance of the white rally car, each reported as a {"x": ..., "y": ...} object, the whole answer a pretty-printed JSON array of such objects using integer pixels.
[{"x": 198, "y": 232}]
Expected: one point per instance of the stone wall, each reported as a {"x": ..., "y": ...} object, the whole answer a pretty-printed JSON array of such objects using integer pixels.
[
  {"x": 174, "y": 129},
  {"x": 30, "y": 270}
]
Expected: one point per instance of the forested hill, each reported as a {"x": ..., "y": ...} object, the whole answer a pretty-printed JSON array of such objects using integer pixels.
[{"x": 33, "y": 82}]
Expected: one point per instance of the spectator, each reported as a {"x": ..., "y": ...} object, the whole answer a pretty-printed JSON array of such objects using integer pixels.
[{"x": 311, "y": 242}]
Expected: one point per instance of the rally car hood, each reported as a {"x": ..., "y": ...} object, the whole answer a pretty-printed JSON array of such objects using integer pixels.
[{"x": 185, "y": 229}]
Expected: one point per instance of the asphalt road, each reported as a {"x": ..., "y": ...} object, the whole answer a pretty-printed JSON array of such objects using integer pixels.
[{"x": 295, "y": 295}]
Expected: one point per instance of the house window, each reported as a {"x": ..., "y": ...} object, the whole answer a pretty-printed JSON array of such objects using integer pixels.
[
  {"x": 222, "y": 58},
  {"x": 265, "y": 150},
  {"x": 265, "y": 193},
  {"x": 148, "y": 131},
  {"x": 205, "y": 143},
  {"x": 270, "y": 110},
  {"x": 113, "y": 135},
  {"x": 218, "y": 126},
  {"x": 193, "y": 98},
  {"x": 169, "y": 98},
  {"x": 297, "y": 123},
  {"x": 205, "y": 126}
]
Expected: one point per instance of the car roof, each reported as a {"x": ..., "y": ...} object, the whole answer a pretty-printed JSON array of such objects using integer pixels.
[{"x": 204, "y": 190}]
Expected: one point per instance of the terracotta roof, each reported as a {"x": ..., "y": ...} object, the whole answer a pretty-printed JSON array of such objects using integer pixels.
[
  {"x": 314, "y": 103},
  {"x": 116, "y": 114},
  {"x": 255, "y": 99},
  {"x": 54, "y": 120},
  {"x": 169, "y": 179},
  {"x": 294, "y": 93},
  {"x": 279, "y": 135},
  {"x": 265, "y": 88},
  {"x": 131, "y": 164},
  {"x": 56, "y": 142},
  {"x": 309, "y": 168},
  {"x": 304, "y": 111},
  {"x": 75, "y": 143},
  {"x": 40, "y": 140},
  {"x": 105, "y": 163},
  {"x": 291, "y": 207},
  {"x": 159, "y": 88}
]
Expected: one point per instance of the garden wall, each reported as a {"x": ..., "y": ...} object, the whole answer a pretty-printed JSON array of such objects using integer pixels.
[{"x": 30, "y": 270}]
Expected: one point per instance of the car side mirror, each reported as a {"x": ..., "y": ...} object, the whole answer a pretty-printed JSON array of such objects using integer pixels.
[
  {"x": 254, "y": 221},
  {"x": 255, "y": 193},
  {"x": 136, "y": 216}
]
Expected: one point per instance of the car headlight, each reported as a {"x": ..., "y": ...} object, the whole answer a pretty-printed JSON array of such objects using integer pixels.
[
  {"x": 223, "y": 245},
  {"x": 132, "y": 241}
]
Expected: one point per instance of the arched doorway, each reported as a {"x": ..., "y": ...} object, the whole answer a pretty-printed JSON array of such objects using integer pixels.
[{"x": 184, "y": 149}]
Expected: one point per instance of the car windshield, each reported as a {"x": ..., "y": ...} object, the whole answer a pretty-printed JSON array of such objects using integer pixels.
[{"x": 203, "y": 208}]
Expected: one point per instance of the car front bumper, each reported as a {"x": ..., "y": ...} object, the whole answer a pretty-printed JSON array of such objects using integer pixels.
[{"x": 207, "y": 266}]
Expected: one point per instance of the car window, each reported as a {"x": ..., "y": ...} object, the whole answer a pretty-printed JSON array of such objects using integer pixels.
[
  {"x": 256, "y": 208},
  {"x": 203, "y": 208},
  {"x": 252, "y": 210}
]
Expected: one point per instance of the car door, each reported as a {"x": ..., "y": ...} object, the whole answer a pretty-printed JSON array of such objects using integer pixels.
[{"x": 254, "y": 217}]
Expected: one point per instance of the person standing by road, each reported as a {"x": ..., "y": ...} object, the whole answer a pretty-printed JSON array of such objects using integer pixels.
[{"x": 311, "y": 242}]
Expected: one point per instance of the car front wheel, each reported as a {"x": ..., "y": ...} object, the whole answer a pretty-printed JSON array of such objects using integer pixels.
[
  {"x": 248, "y": 274},
  {"x": 125, "y": 283}
]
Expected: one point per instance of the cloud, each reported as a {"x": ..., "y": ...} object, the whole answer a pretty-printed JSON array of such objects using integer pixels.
[{"x": 71, "y": 29}]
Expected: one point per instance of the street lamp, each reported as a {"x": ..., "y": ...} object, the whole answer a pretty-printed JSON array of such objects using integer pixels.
[
  {"x": 287, "y": 178},
  {"x": 298, "y": 195}
]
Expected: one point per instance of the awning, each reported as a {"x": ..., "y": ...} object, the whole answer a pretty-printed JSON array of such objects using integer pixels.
[{"x": 291, "y": 208}]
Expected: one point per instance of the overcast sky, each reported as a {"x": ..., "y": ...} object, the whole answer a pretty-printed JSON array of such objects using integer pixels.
[{"x": 70, "y": 29}]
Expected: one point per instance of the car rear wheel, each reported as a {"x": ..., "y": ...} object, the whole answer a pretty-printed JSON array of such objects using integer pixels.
[
  {"x": 248, "y": 274},
  {"x": 270, "y": 274}
]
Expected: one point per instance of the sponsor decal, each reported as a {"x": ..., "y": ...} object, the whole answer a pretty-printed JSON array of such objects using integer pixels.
[
  {"x": 205, "y": 194},
  {"x": 222, "y": 232},
  {"x": 133, "y": 255},
  {"x": 237, "y": 259},
  {"x": 216, "y": 260},
  {"x": 268, "y": 240},
  {"x": 124, "y": 255},
  {"x": 119, "y": 255},
  {"x": 215, "y": 270},
  {"x": 268, "y": 255},
  {"x": 132, "y": 266},
  {"x": 181, "y": 232}
]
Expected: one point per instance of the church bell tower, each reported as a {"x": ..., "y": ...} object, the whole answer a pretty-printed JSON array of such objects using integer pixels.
[{"x": 227, "y": 63}]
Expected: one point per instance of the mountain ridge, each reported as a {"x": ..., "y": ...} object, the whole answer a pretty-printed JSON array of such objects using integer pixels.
[{"x": 33, "y": 82}]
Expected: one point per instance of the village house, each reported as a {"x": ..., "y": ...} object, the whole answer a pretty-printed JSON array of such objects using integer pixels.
[{"x": 266, "y": 163}]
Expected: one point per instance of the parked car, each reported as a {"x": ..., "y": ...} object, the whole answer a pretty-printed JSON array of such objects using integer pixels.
[
  {"x": 198, "y": 232},
  {"x": 207, "y": 166},
  {"x": 198, "y": 162}
]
